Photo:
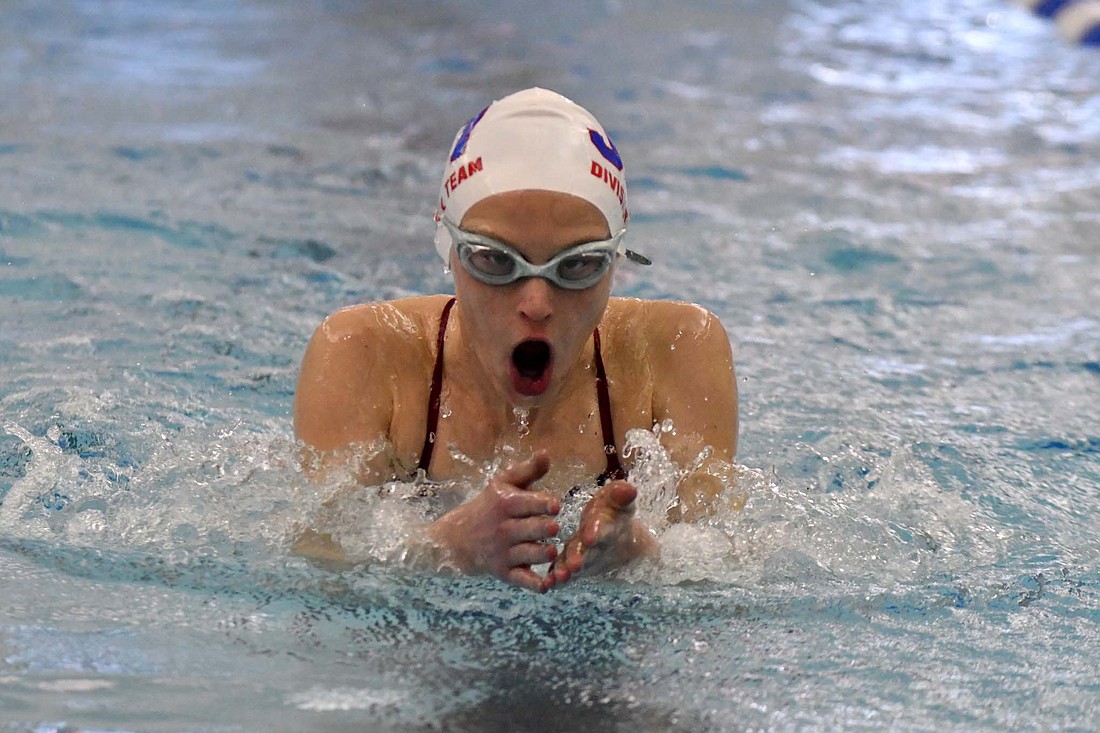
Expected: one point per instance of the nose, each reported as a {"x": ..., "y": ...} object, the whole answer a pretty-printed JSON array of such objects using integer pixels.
[{"x": 535, "y": 299}]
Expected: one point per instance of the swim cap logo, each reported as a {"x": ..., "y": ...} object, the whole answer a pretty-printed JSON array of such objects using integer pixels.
[
  {"x": 464, "y": 138},
  {"x": 606, "y": 147},
  {"x": 611, "y": 155}
]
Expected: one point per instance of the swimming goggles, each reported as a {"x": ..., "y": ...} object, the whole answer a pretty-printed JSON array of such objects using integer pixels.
[{"x": 495, "y": 263}]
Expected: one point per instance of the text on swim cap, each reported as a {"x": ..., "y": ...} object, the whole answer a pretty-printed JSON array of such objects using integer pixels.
[
  {"x": 461, "y": 174},
  {"x": 614, "y": 183}
]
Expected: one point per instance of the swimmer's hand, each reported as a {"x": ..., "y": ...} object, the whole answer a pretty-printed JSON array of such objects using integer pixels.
[
  {"x": 501, "y": 530},
  {"x": 608, "y": 535}
]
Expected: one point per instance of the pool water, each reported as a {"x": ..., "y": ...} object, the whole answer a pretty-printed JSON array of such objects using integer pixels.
[{"x": 892, "y": 207}]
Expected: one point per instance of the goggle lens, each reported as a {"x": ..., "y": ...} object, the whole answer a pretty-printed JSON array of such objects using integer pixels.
[
  {"x": 584, "y": 268},
  {"x": 489, "y": 261}
]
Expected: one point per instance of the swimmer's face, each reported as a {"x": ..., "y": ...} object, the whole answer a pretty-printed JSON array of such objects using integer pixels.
[{"x": 530, "y": 333}]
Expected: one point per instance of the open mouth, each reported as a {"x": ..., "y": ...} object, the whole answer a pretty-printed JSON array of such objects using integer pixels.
[{"x": 531, "y": 367}]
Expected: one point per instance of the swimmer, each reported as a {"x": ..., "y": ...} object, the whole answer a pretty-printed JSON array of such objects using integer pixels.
[{"x": 531, "y": 221}]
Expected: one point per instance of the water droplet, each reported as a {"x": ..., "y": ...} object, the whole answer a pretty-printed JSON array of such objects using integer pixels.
[
  {"x": 460, "y": 457},
  {"x": 445, "y": 412},
  {"x": 431, "y": 437},
  {"x": 523, "y": 426}
]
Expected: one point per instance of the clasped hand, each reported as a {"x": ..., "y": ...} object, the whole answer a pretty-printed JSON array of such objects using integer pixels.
[{"x": 508, "y": 526}]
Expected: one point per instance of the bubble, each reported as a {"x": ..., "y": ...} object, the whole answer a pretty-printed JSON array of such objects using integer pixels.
[
  {"x": 523, "y": 425},
  {"x": 460, "y": 457}
]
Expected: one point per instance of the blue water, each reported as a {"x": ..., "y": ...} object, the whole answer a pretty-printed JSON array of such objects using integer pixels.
[{"x": 892, "y": 206}]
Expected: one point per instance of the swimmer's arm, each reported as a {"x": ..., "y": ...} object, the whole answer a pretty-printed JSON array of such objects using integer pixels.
[
  {"x": 339, "y": 409},
  {"x": 695, "y": 387},
  {"x": 344, "y": 398}
]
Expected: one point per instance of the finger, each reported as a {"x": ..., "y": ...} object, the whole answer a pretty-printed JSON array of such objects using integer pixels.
[
  {"x": 525, "y": 473},
  {"x": 530, "y": 504},
  {"x": 572, "y": 560},
  {"x": 574, "y": 564},
  {"x": 559, "y": 574},
  {"x": 620, "y": 495},
  {"x": 530, "y": 553},
  {"x": 525, "y": 577},
  {"x": 614, "y": 498},
  {"x": 589, "y": 533},
  {"x": 528, "y": 529}
]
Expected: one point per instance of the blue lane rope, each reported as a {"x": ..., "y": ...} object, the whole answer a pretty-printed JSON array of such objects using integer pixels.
[{"x": 1078, "y": 21}]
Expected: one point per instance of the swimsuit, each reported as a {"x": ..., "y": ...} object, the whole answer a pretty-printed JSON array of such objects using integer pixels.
[{"x": 614, "y": 469}]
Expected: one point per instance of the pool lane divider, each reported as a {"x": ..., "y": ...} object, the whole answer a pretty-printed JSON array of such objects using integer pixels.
[{"x": 1078, "y": 21}]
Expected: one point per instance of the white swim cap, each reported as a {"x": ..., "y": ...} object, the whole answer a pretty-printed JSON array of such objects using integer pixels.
[{"x": 533, "y": 139}]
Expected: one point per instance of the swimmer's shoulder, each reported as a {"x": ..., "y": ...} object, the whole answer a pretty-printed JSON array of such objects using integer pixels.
[
  {"x": 369, "y": 338},
  {"x": 688, "y": 358},
  {"x": 359, "y": 363},
  {"x": 403, "y": 319},
  {"x": 392, "y": 330},
  {"x": 655, "y": 326}
]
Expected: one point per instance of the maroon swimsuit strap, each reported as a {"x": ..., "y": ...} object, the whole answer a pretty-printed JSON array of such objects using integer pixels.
[
  {"x": 614, "y": 469},
  {"x": 436, "y": 391}
]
